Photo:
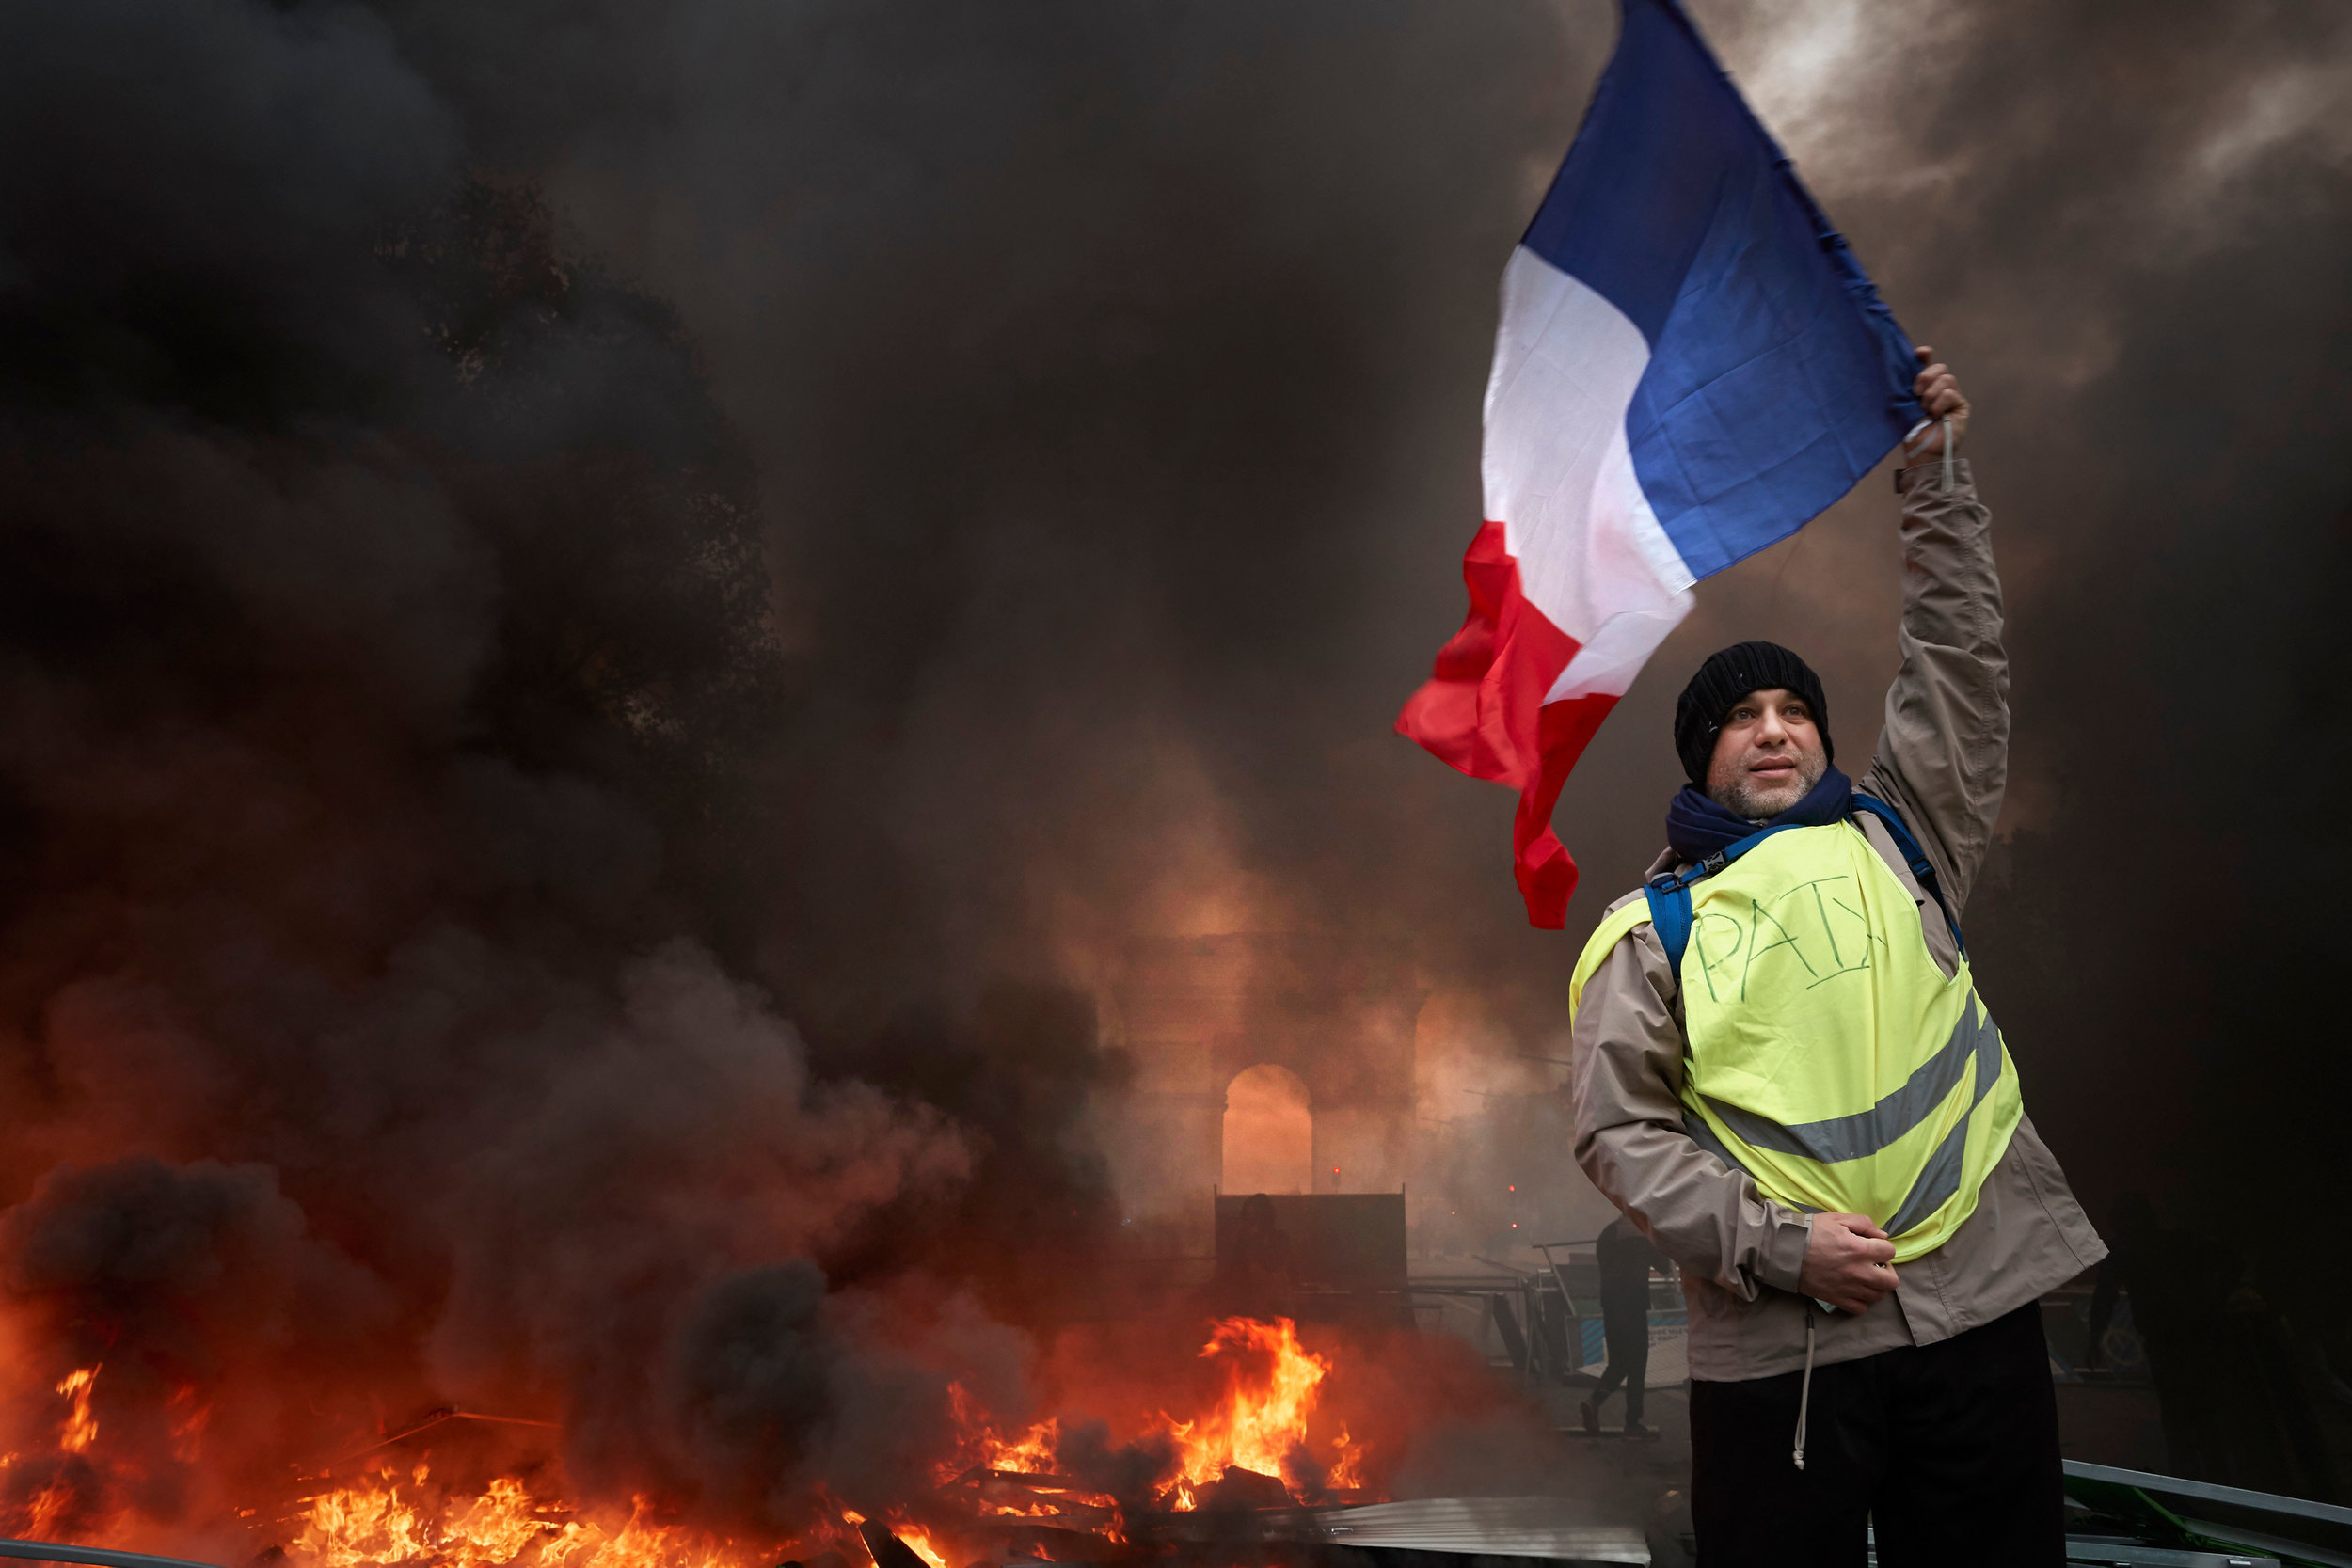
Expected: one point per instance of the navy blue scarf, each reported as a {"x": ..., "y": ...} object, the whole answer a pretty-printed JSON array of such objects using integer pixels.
[{"x": 1696, "y": 827}]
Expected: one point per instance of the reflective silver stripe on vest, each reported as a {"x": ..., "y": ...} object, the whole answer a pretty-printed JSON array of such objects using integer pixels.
[
  {"x": 1865, "y": 1132},
  {"x": 1705, "y": 1137},
  {"x": 1974, "y": 1036},
  {"x": 1940, "y": 1179},
  {"x": 1937, "y": 1182}
]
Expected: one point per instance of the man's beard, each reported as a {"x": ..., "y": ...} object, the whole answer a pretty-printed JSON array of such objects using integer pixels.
[{"x": 1743, "y": 797}]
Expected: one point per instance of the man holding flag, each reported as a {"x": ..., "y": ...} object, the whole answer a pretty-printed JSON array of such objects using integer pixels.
[{"x": 1783, "y": 1073}]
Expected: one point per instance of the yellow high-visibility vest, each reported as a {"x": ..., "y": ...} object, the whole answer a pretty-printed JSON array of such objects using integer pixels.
[{"x": 1826, "y": 1054}]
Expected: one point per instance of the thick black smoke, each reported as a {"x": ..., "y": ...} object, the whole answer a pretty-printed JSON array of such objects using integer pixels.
[
  {"x": 1125, "y": 372},
  {"x": 610, "y": 613},
  {"x": 393, "y": 701}
]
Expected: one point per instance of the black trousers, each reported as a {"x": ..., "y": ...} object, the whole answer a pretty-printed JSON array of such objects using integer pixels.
[
  {"x": 1624, "y": 1330},
  {"x": 1950, "y": 1450}
]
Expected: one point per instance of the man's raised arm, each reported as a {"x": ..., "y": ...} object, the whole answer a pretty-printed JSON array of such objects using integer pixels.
[{"x": 1943, "y": 757}]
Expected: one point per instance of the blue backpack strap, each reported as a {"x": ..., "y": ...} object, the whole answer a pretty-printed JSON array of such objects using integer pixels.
[
  {"x": 1669, "y": 894},
  {"x": 1921, "y": 868},
  {"x": 1670, "y": 916}
]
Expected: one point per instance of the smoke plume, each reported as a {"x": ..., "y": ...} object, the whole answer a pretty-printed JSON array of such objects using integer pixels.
[{"x": 611, "y": 616}]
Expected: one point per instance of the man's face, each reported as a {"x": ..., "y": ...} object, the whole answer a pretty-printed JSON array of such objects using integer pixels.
[{"x": 1766, "y": 755}]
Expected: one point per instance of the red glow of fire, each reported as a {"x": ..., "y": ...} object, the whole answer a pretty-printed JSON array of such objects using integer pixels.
[
  {"x": 80, "y": 1427},
  {"x": 388, "y": 1517},
  {"x": 387, "y": 1512},
  {"x": 1270, "y": 1386}
]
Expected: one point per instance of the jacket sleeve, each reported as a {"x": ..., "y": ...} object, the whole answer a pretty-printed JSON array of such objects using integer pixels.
[
  {"x": 1943, "y": 756},
  {"x": 1626, "y": 1082}
]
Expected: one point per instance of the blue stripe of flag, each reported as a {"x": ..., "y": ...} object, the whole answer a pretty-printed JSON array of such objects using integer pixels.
[{"x": 1777, "y": 378}]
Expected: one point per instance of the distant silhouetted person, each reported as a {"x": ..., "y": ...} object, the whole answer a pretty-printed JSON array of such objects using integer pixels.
[{"x": 1626, "y": 1258}]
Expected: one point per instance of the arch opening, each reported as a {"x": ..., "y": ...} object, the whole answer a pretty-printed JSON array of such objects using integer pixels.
[{"x": 1269, "y": 1141}]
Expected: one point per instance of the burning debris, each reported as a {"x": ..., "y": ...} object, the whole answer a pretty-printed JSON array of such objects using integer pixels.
[
  {"x": 1020, "y": 1497},
  {"x": 390, "y": 1518},
  {"x": 1250, "y": 1463}
]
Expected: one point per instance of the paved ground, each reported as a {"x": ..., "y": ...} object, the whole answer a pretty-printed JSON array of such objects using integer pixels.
[
  {"x": 1644, "y": 1482},
  {"x": 2101, "y": 1425}
]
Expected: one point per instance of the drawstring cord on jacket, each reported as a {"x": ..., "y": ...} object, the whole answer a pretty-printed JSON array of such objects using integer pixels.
[{"x": 1805, "y": 1395}]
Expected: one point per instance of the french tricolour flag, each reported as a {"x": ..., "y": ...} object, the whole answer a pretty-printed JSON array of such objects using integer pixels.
[{"x": 1690, "y": 365}]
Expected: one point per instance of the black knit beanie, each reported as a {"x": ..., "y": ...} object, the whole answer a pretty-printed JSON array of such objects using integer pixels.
[{"x": 1726, "y": 677}]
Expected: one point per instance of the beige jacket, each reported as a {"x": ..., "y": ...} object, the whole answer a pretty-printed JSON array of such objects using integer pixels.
[{"x": 1942, "y": 762}]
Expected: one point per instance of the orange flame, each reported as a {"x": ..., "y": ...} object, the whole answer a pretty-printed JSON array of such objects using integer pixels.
[
  {"x": 46, "y": 1509},
  {"x": 921, "y": 1541},
  {"x": 1033, "y": 1451},
  {"x": 375, "y": 1522},
  {"x": 188, "y": 1427},
  {"x": 81, "y": 1428},
  {"x": 1267, "y": 1389},
  {"x": 1259, "y": 1421}
]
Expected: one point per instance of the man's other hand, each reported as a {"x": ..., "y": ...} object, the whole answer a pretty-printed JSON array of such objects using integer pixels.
[
  {"x": 1846, "y": 1264},
  {"x": 1939, "y": 394}
]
